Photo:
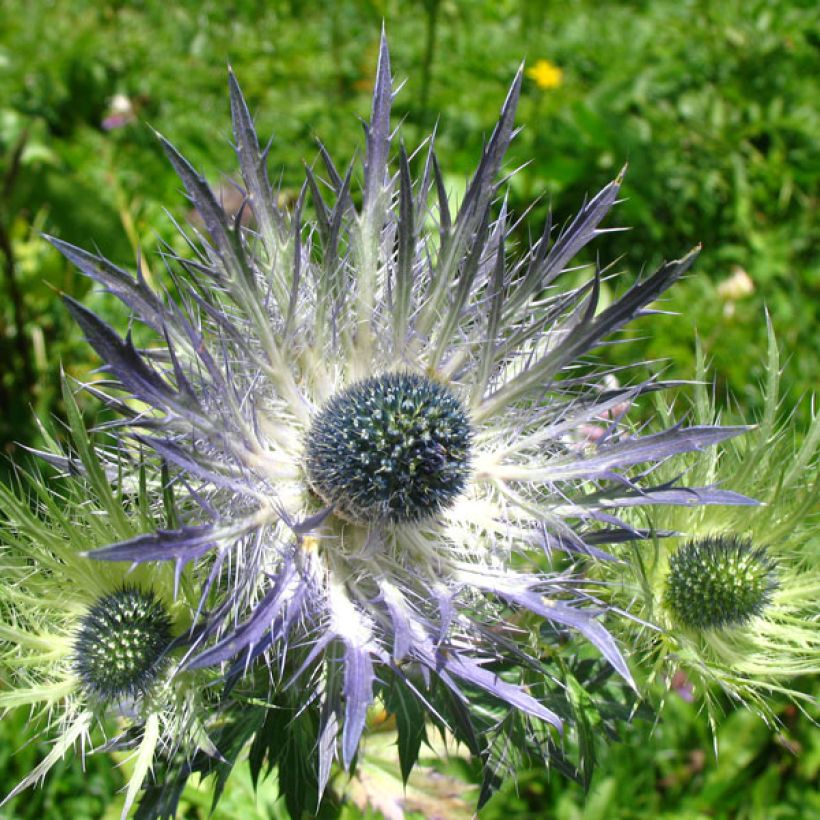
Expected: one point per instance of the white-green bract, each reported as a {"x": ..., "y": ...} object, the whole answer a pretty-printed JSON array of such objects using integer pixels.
[
  {"x": 733, "y": 598},
  {"x": 375, "y": 413}
]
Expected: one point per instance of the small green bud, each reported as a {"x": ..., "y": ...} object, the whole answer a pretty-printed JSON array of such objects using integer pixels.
[
  {"x": 718, "y": 581},
  {"x": 121, "y": 644}
]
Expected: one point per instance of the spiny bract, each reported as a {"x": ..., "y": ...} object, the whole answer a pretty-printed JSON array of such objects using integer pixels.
[
  {"x": 734, "y": 589},
  {"x": 86, "y": 647},
  {"x": 332, "y": 572}
]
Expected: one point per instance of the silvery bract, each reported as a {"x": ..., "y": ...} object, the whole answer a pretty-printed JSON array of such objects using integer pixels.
[{"x": 374, "y": 414}]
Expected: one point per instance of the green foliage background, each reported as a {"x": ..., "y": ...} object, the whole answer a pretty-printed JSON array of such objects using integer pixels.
[{"x": 712, "y": 104}]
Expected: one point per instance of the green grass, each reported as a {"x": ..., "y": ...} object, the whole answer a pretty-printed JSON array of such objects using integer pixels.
[{"x": 759, "y": 773}]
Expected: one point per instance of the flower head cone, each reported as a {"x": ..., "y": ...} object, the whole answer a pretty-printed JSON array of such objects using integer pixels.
[
  {"x": 375, "y": 409},
  {"x": 86, "y": 647},
  {"x": 735, "y": 591}
]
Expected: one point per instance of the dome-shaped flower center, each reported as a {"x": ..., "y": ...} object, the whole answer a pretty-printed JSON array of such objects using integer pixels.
[
  {"x": 119, "y": 647},
  {"x": 390, "y": 448},
  {"x": 718, "y": 581}
]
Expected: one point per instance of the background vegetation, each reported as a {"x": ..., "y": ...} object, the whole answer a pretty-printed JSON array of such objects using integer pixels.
[{"x": 713, "y": 105}]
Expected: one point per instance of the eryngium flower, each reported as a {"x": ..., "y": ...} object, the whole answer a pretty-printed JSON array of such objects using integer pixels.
[
  {"x": 393, "y": 448},
  {"x": 87, "y": 647},
  {"x": 735, "y": 590},
  {"x": 375, "y": 411}
]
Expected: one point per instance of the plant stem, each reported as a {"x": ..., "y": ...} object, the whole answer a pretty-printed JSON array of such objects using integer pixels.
[{"x": 10, "y": 267}]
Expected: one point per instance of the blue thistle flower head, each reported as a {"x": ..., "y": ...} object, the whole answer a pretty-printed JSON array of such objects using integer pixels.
[
  {"x": 377, "y": 415},
  {"x": 390, "y": 448}
]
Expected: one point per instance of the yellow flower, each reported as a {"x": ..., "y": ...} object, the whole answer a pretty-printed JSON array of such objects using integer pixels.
[{"x": 546, "y": 74}]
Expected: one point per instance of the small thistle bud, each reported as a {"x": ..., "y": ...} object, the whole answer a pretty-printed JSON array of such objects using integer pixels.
[
  {"x": 393, "y": 448},
  {"x": 119, "y": 648},
  {"x": 718, "y": 581}
]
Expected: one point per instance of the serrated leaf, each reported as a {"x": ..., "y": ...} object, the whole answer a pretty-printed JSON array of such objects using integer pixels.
[
  {"x": 378, "y": 131},
  {"x": 297, "y": 765},
  {"x": 410, "y": 715},
  {"x": 225, "y": 240}
]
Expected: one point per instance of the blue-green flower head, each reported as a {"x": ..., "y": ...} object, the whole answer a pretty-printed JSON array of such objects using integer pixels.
[
  {"x": 718, "y": 581},
  {"x": 121, "y": 644},
  {"x": 390, "y": 448}
]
